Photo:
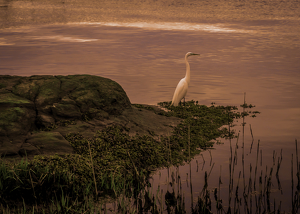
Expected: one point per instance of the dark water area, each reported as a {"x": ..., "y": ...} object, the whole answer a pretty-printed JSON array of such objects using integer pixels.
[{"x": 245, "y": 46}]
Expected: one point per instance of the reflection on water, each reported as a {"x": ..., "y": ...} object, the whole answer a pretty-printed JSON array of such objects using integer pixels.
[
  {"x": 214, "y": 28},
  {"x": 64, "y": 38}
]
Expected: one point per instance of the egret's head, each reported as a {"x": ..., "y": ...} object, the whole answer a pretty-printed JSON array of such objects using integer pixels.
[{"x": 190, "y": 54}]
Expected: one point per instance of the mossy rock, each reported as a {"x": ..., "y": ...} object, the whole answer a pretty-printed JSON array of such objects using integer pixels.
[
  {"x": 9, "y": 99},
  {"x": 49, "y": 143},
  {"x": 94, "y": 92},
  {"x": 16, "y": 120},
  {"x": 37, "y": 99},
  {"x": 32, "y": 104}
]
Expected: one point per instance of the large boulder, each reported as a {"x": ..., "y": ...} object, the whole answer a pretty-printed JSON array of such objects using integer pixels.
[
  {"x": 54, "y": 98},
  {"x": 34, "y": 103}
]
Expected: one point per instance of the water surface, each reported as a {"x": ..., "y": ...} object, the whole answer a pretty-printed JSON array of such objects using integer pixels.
[{"x": 148, "y": 62}]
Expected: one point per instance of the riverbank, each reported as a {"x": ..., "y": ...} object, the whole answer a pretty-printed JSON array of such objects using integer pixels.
[
  {"x": 113, "y": 162},
  {"x": 68, "y": 133}
]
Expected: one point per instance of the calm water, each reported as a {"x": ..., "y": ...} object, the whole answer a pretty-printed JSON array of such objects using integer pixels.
[{"x": 245, "y": 46}]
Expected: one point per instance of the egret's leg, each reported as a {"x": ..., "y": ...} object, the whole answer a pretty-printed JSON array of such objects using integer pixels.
[
  {"x": 184, "y": 101},
  {"x": 180, "y": 102}
]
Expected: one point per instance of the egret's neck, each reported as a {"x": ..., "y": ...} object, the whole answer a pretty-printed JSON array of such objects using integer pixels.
[{"x": 187, "y": 75}]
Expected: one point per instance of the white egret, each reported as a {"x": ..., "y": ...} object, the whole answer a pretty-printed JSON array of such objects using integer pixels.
[{"x": 183, "y": 84}]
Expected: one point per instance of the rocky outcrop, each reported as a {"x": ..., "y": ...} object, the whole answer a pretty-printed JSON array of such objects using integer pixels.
[
  {"x": 54, "y": 98},
  {"x": 37, "y": 112}
]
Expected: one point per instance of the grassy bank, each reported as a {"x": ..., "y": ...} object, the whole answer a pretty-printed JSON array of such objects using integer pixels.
[{"x": 110, "y": 165}]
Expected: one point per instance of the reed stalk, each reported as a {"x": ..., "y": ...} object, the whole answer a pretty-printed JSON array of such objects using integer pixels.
[
  {"x": 298, "y": 177},
  {"x": 170, "y": 151},
  {"x": 279, "y": 162},
  {"x": 256, "y": 165},
  {"x": 31, "y": 183},
  {"x": 243, "y": 164},
  {"x": 211, "y": 169},
  {"x": 191, "y": 187},
  {"x": 219, "y": 193},
  {"x": 133, "y": 163},
  {"x": 252, "y": 139},
  {"x": 162, "y": 202},
  {"x": 244, "y": 124},
  {"x": 230, "y": 175},
  {"x": 297, "y": 155},
  {"x": 250, "y": 181},
  {"x": 189, "y": 141},
  {"x": 210, "y": 157},
  {"x": 93, "y": 169},
  {"x": 203, "y": 161},
  {"x": 292, "y": 174}
]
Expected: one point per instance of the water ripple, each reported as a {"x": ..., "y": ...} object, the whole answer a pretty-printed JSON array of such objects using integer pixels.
[{"x": 213, "y": 28}]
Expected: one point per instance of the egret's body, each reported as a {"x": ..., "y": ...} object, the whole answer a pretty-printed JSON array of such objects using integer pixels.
[{"x": 183, "y": 84}]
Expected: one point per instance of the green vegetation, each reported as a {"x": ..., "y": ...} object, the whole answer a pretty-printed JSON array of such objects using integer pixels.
[
  {"x": 57, "y": 124},
  {"x": 143, "y": 106},
  {"x": 110, "y": 165}
]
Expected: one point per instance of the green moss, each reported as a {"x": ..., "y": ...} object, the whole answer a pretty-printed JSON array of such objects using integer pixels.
[
  {"x": 49, "y": 128},
  {"x": 11, "y": 114},
  {"x": 66, "y": 122},
  {"x": 2, "y": 85},
  {"x": 49, "y": 91},
  {"x": 10, "y": 98},
  {"x": 144, "y": 107}
]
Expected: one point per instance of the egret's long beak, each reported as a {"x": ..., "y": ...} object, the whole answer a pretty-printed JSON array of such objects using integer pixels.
[{"x": 195, "y": 54}]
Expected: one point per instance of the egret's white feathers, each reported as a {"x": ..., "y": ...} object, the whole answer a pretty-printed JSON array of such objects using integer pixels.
[
  {"x": 180, "y": 92},
  {"x": 183, "y": 84}
]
